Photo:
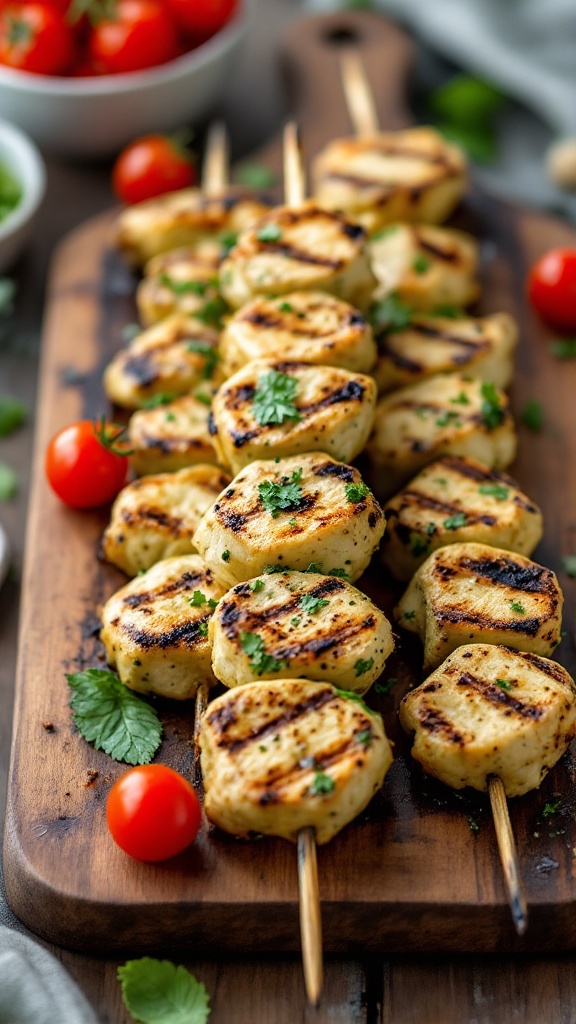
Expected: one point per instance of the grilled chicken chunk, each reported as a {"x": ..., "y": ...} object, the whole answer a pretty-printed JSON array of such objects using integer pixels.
[
  {"x": 445, "y": 415},
  {"x": 491, "y": 711},
  {"x": 155, "y": 629},
  {"x": 284, "y": 755},
  {"x": 412, "y": 175},
  {"x": 426, "y": 267},
  {"x": 473, "y": 592},
  {"x": 454, "y": 500},
  {"x": 308, "y": 510},
  {"x": 187, "y": 217},
  {"x": 273, "y": 408},
  {"x": 174, "y": 356},
  {"x": 299, "y": 248},
  {"x": 299, "y": 624},
  {"x": 311, "y": 326},
  {"x": 180, "y": 281},
  {"x": 431, "y": 344},
  {"x": 156, "y": 517},
  {"x": 172, "y": 435}
]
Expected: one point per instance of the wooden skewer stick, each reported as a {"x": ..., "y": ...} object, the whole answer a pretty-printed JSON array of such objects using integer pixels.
[
  {"x": 199, "y": 709},
  {"x": 215, "y": 169},
  {"x": 310, "y": 915},
  {"x": 359, "y": 96},
  {"x": 508, "y": 853}
]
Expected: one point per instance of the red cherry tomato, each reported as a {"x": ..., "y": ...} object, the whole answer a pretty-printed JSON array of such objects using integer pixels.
[
  {"x": 153, "y": 812},
  {"x": 552, "y": 288},
  {"x": 139, "y": 34},
  {"x": 35, "y": 37},
  {"x": 201, "y": 18},
  {"x": 150, "y": 166},
  {"x": 82, "y": 468}
]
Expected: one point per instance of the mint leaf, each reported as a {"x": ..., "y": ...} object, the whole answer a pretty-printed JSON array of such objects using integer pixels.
[
  {"x": 159, "y": 992},
  {"x": 108, "y": 714},
  {"x": 12, "y": 414},
  {"x": 274, "y": 398},
  {"x": 8, "y": 482}
]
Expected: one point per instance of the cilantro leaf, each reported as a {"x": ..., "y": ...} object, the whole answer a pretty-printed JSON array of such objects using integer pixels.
[
  {"x": 269, "y": 233},
  {"x": 504, "y": 684},
  {"x": 185, "y": 287},
  {"x": 210, "y": 353},
  {"x": 532, "y": 415},
  {"x": 356, "y": 492},
  {"x": 420, "y": 264},
  {"x": 455, "y": 522},
  {"x": 228, "y": 240},
  {"x": 491, "y": 410},
  {"x": 322, "y": 783},
  {"x": 108, "y": 714},
  {"x": 552, "y": 808},
  {"x": 495, "y": 491},
  {"x": 12, "y": 414},
  {"x": 8, "y": 482},
  {"x": 212, "y": 312},
  {"x": 356, "y": 698},
  {"x": 389, "y": 314},
  {"x": 280, "y": 496},
  {"x": 386, "y": 686},
  {"x": 256, "y": 586},
  {"x": 253, "y": 645},
  {"x": 159, "y": 992},
  {"x": 162, "y": 398},
  {"x": 363, "y": 665},
  {"x": 198, "y": 599},
  {"x": 518, "y": 607},
  {"x": 311, "y": 604},
  {"x": 274, "y": 398}
]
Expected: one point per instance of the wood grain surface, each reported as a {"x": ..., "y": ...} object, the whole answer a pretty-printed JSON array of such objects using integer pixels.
[{"x": 409, "y": 874}]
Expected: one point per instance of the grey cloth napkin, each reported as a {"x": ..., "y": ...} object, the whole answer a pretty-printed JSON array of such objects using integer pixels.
[
  {"x": 528, "y": 49},
  {"x": 34, "y": 987}
]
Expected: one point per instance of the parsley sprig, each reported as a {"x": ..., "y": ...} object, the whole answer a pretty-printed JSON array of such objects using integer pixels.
[
  {"x": 274, "y": 399},
  {"x": 253, "y": 645},
  {"x": 311, "y": 604},
  {"x": 491, "y": 411},
  {"x": 355, "y": 493},
  {"x": 284, "y": 495}
]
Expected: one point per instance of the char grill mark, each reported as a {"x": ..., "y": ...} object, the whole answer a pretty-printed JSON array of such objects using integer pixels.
[
  {"x": 236, "y": 397},
  {"x": 286, "y": 778},
  {"x": 142, "y": 369},
  {"x": 242, "y": 437},
  {"x": 448, "y": 255},
  {"x": 184, "y": 634},
  {"x": 463, "y": 468},
  {"x": 304, "y": 707},
  {"x": 337, "y": 469},
  {"x": 233, "y": 617},
  {"x": 532, "y": 579},
  {"x": 415, "y": 499},
  {"x": 544, "y": 665},
  {"x": 458, "y": 616},
  {"x": 352, "y": 391},
  {"x": 319, "y": 645},
  {"x": 264, "y": 320},
  {"x": 431, "y": 720},
  {"x": 152, "y": 515},
  {"x": 187, "y": 581},
  {"x": 496, "y": 695},
  {"x": 301, "y": 256}
]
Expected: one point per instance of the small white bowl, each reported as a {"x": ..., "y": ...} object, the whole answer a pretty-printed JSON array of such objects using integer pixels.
[
  {"x": 20, "y": 157},
  {"x": 84, "y": 117}
]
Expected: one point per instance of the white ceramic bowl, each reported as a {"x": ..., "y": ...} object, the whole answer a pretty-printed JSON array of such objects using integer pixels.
[
  {"x": 84, "y": 117},
  {"x": 21, "y": 158}
]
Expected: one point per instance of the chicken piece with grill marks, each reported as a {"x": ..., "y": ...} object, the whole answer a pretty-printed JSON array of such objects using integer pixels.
[
  {"x": 468, "y": 593},
  {"x": 429, "y": 345},
  {"x": 454, "y": 500},
  {"x": 450, "y": 414},
  {"x": 302, "y": 512},
  {"x": 156, "y": 516},
  {"x": 299, "y": 248},
  {"x": 299, "y": 624},
  {"x": 180, "y": 281},
  {"x": 487, "y": 711},
  {"x": 172, "y": 435},
  {"x": 425, "y": 267},
  {"x": 174, "y": 357},
  {"x": 412, "y": 175},
  {"x": 272, "y": 409},
  {"x": 189, "y": 217},
  {"x": 281, "y": 756},
  {"x": 155, "y": 629},
  {"x": 311, "y": 326}
]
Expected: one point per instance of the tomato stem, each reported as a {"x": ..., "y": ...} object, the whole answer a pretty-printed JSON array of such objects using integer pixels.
[{"x": 108, "y": 434}]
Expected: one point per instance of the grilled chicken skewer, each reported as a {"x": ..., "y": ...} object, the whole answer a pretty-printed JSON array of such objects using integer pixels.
[{"x": 496, "y": 720}]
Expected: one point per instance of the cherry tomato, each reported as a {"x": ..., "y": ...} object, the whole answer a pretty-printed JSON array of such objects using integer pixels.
[
  {"x": 35, "y": 37},
  {"x": 83, "y": 466},
  {"x": 153, "y": 812},
  {"x": 139, "y": 34},
  {"x": 150, "y": 166},
  {"x": 552, "y": 288},
  {"x": 201, "y": 18}
]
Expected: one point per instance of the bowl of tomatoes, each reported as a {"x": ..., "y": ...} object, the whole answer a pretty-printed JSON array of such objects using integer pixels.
[{"x": 85, "y": 77}]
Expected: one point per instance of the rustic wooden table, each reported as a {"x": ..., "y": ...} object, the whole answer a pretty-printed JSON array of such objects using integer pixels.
[{"x": 399, "y": 989}]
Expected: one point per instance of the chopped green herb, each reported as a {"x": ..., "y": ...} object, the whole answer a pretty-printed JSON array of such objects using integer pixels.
[
  {"x": 311, "y": 604},
  {"x": 274, "y": 398},
  {"x": 226, "y": 556},
  {"x": 12, "y": 414},
  {"x": 198, "y": 599},
  {"x": 112, "y": 717},
  {"x": 461, "y": 399},
  {"x": 341, "y": 574},
  {"x": 210, "y": 353},
  {"x": 162, "y": 398},
  {"x": 280, "y": 496},
  {"x": 253, "y": 646},
  {"x": 431, "y": 529},
  {"x": 295, "y": 620},
  {"x": 389, "y": 229},
  {"x": 185, "y": 287},
  {"x": 441, "y": 480},
  {"x": 270, "y": 569},
  {"x": 8, "y": 482},
  {"x": 420, "y": 264},
  {"x": 569, "y": 565},
  {"x": 363, "y": 665},
  {"x": 228, "y": 240},
  {"x": 532, "y": 415},
  {"x": 201, "y": 396},
  {"x": 495, "y": 491},
  {"x": 552, "y": 808},
  {"x": 389, "y": 314},
  {"x": 491, "y": 411},
  {"x": 254, "y": 175},
  {"x": 386, "y": 686},
  {"x": 356, "y": 698},
  {"x": 262, "y": 748},
  {"x": 355, "y": 493},
  {"x": 504, "y": 684},
  {"x": 408, "y": 615},
  {"x": 422, "y": 412},
  {"x": 322, "y": 783},
  {"x": 256, "y": 586},
  {"x": 449, "y": 417},
  {"x": 285, "y": 307},
  {"x": 212, "y": 312},
  {"x": 269, "y": 233},
  {"x": 473, "y": 824},
  {"x": 170, "y": 417},
  {"x": 203, "y": 629},
  {"x": 564, "y": 348},
  {"x": 292, "y": 521},
  {"x": 516, "y": 606},
  {"x": 449, "y": 312},
  {"x": 364, "y": 737},
  {"x": 418, "y": 546},
  {"x": 456, "y": 522},
  {"x": 213, "y": 603},
  {"x": 159, "y": 992}
]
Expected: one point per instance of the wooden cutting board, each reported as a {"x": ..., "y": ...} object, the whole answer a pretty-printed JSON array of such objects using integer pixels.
[{"x": 410, "y": 873}]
